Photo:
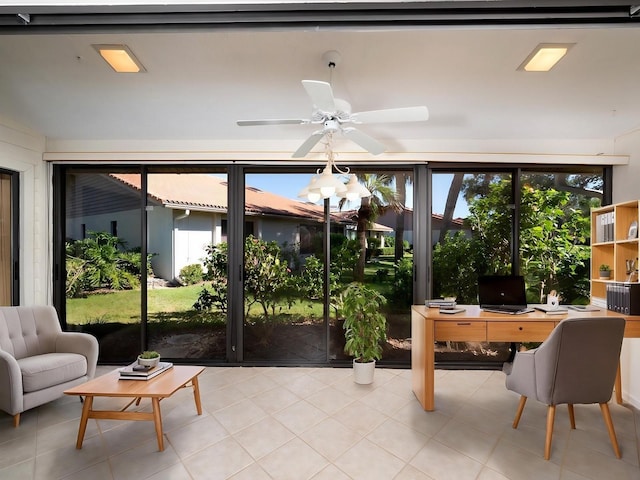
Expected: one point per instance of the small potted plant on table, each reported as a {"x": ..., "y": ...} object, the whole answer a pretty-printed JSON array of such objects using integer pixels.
[
  {"x": 365, "y": 329},
  {"x": 149, "y": 358},
  {"x": 605, "y": 271}
]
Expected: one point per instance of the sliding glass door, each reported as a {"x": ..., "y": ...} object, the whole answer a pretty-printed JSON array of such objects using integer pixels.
[{"x": 9, "y": 294}]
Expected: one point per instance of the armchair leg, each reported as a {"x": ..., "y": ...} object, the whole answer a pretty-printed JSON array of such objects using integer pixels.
[
  {"x": 551, "y": 414},
  {"x": 612, "y": 433},
  {"x": 572, "y": 416},
  {"x": 523, "y": 400},
  {"x": 16, "y": 420}
]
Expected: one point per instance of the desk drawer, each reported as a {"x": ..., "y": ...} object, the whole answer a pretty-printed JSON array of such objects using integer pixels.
[
  {"x": 461, "y": 331},
  {"x": 519, "y": 331}
]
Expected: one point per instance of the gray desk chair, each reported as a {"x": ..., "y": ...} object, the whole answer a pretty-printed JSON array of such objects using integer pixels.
[{"x": 576, "y": 364}]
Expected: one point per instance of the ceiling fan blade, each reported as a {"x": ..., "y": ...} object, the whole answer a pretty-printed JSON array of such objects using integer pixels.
[
  {"x": 308, "y": 144},
  {"x": 274, "y": 121},
  {"x": 365, "y": 141},
  {"x": 406, "y": 114},
  {"x": 321, "y": 95}
]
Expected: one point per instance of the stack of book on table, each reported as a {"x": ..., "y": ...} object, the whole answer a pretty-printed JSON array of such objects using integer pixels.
[
  {"x": 440, "y": 303},
  {"x": 138, "y": 372}
]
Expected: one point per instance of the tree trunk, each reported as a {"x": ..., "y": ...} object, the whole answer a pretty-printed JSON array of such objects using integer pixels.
[
  {"x": 363, "y": 219},
  {"x": 450, "y": 206}
]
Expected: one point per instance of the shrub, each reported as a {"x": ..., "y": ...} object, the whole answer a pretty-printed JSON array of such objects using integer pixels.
[{"x": 191, "y": 274}]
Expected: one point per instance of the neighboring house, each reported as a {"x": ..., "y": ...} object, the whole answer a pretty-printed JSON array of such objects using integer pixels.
[
  {"x": 390, "y": 219},
  {"x": 186, "y": 212}
]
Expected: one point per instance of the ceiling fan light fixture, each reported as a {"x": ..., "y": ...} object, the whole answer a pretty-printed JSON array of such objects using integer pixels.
[
  {"x": 120, "y": 58},
  {"x": 327, "y": 184},
  {"x": 354, "y": 190},
  {"x": 545, "y": 56},
  {"x": 307, "y": 193}
]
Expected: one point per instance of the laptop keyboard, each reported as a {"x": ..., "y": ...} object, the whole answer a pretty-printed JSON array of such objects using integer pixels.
[{"x": 510, "y": 309}]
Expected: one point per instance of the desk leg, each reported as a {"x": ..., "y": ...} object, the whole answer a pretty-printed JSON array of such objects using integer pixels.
[
  {"x": 86, "y": 409},
  {"x": 157, "y": 419},
  {"x": 196, "y": 394},
  {"x": 618, "y": 386},
  {"x": 422, "y": 360}
]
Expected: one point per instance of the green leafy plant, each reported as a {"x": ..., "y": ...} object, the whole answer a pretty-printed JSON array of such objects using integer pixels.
[
  {"x": 149, "y": 354},
  {"x": 191, "y": 274},
  {"x": 364, "y": 323},
  {"x": 605, "y": 268}
]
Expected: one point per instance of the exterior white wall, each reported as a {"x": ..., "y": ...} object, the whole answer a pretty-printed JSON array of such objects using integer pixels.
[
  {"x": 21, "y": 151},
  {"x": 160, "y": 241},
  {"x": 626, "y": 181},
  {"x": 192, "y": 234},
  {"x": 280, "y": 231}
]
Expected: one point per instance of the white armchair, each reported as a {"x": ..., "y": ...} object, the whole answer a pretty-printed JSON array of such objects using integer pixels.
[{"x": 38, "y": 361}]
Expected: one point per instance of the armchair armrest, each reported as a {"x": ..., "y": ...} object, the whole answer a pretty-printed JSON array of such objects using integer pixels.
[
  {"x": 10, "y": 384},
  {"x": 82, "y": 344}
]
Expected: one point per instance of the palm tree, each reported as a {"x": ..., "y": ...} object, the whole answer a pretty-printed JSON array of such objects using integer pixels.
[{"x": 383, "y": 197}]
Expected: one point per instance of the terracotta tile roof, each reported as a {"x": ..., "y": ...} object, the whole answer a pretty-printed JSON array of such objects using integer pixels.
[{"x": 208, "y": 192}]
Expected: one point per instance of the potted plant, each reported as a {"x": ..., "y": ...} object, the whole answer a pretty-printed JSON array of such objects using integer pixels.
[
  {"x": 605, "y": 271},
  {"x": 365, "y": 329},
  {"x": 149, "y": 358}
]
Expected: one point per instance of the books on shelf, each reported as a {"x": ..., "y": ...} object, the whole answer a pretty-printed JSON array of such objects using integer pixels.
[
  {"x": 135, "y": 372},
  {"x": 605, "y": 223}
]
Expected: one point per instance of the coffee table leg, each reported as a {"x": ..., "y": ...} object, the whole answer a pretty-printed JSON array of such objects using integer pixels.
[
  {"x": 86, "y": 408},
  {"x": 157, "y": 419},
  {"x": 196, "y": 394}
]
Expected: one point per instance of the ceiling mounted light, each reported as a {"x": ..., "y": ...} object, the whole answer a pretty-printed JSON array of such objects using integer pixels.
[
  {"x": 324, "y": 185},
  {"x": 544, "y": 57},
  {"x": 120, "y": 58}
]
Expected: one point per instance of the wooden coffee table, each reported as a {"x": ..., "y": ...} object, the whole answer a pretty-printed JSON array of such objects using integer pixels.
[{"x": 110, "y": 385}]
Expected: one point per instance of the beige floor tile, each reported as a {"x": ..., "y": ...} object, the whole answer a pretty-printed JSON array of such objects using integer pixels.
[
  {"x": 239, "y": 415},
  {"x": 196, "y": 436},
  {"x": 330, "y": 438},
  {"x": 439, "y": 461},
  {"x": 49, "y": 465},
  {"x": 259, "y": 413},
  {"x": 466, "y": 439},
  {"x": 300, "y": 416},
  {"x": 406, "y": 441},
  {"x": 330, "y": 400},
  {"x": 360, "y": 417},
  {"x": 218, "y": 461},
  {"x": 293, "y": 461},
  {"x": 367, "y": 461},
  {"x": 263, "y": 437}
]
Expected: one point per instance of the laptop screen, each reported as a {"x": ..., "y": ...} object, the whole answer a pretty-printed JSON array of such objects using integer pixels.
[{"x": 501, "y": 290}]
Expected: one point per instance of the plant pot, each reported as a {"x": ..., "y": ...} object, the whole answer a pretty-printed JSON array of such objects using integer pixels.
[
  {"x": 149, "y": 362},
  {"x": 605, "y": 274},
  {"x": 363, "y": 372}
]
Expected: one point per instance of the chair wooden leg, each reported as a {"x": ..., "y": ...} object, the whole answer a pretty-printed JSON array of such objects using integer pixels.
[
  {"x": 572, "y": 416},
  {"x": 16, "y": 420},
  {"x": 612, "y": 433},
  {"x": 523, "y": 400},
  {"x": 551, "y": 414}
]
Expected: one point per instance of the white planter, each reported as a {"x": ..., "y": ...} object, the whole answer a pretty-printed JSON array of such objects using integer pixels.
[
  {"x": 148, "y": 362},
  {"x": 363, "y": 372}
]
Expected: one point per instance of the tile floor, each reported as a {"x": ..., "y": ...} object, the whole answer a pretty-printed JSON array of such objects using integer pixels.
[{"x": 316, "y": 423}]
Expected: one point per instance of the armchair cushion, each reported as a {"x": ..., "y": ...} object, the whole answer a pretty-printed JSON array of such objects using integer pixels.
[{"x": 49, "y": 369}]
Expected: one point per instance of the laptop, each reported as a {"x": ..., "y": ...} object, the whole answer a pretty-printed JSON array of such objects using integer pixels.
[{"x": 502, "y": 294}]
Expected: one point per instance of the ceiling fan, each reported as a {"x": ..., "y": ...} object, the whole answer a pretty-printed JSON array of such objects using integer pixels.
[{"x": 334, "y": 115}]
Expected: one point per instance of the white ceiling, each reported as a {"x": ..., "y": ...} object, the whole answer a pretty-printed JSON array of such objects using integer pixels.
[{"x": 198, "y": 84}]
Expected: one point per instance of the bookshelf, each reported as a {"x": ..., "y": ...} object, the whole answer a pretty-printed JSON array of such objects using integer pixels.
[{"x": 612, "y": 245}]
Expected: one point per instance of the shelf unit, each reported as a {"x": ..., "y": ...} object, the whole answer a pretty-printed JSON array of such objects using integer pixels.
[{"x": 612, "y": 245}]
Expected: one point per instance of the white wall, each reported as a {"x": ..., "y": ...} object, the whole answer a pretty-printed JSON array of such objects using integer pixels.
[
  {"x": 626, "y": 181},
  {"x": 21, "y": 151}
]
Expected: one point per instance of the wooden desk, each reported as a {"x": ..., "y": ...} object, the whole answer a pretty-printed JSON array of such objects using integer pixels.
[
  {"x": 428, "y": 325},
  {"x": 110, "y": 385}
]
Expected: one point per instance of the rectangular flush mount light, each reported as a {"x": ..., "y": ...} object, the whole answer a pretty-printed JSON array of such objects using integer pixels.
[
  {"x": 120, "y": 58},
  {"x": 544, "y": 57}
]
